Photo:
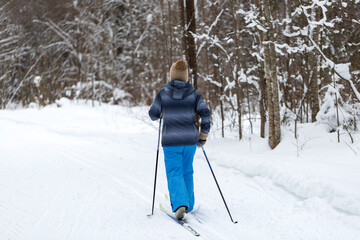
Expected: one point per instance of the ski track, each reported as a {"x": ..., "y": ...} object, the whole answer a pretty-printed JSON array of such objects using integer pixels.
[
  {"x": 141, "y": 188},
  {"x": 97, "y": 179}
]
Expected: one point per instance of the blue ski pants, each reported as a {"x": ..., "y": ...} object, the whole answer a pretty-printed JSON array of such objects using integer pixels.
[{"x": 179, "y": 173}]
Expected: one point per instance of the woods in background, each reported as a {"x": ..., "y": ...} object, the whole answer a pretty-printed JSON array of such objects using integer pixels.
[{"x": 277, "y": 61}]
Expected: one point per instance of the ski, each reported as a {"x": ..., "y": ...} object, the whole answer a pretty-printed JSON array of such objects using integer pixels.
[
  {"x": 183, "y": 224},
  {"x": 192, "y": 213}
]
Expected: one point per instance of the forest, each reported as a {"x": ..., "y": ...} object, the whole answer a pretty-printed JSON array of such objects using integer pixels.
[{"x": 279, "y": 62}]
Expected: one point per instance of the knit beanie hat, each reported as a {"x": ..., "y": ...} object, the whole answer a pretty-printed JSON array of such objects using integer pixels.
[{"x": 179, "y": 70}]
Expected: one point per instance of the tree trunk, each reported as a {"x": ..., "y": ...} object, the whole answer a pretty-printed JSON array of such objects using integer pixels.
[
  {"x": 237, "y": 68},
  {"x": 182, "y": 28},
  {"x": 165, "y": 47},
  {"x": 314, "y": 63},
  {"x": 271, "y": 77},
  {"x": 262, "y": 84},
  {"x": 170, "y": 34},
  {"x": 249, "y": 108},
  {"x": 218, "y": 78},
  {"x": 191, "y": 23},
  {"x": 269, "y": 90}
]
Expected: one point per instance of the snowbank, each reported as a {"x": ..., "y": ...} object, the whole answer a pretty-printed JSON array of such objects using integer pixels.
[{"x": 325, "y": 169}]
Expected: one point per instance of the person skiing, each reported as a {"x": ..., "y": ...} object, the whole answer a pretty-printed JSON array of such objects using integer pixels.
[{"x": 177, "y": 102}]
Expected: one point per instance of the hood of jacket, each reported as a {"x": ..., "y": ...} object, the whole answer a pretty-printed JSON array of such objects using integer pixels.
[{"x": 178, "y": 89}]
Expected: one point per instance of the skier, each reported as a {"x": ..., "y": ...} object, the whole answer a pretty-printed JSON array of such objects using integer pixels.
[{"x": 177, "y": 104}]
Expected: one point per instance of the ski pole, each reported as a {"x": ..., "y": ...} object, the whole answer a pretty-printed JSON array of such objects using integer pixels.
[
  {"x": 156, "y": 167},
  {"x": 217, "y": 184}
]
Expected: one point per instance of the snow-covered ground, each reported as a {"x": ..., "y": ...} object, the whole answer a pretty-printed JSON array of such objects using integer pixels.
[{"x": 78, "y": 172}]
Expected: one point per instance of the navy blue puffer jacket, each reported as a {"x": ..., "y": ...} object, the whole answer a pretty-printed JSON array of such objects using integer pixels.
[{"x": 178, "y": 102}]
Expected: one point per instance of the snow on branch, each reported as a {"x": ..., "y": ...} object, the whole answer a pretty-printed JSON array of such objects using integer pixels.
[
  {"x": 65, "y": 36},
  {"x": 355, "y": 21},
  {"x": 339, "y": 69},
  {"x": 215, "y": 22},
  {"x": 207, "y": 35},
  {"x": 25, "y": 77},
  {"x": 251, "y": 18},
  {"x": 321, "y": 4},
  {"x": 208, "y": 78},
  {"x": 213, "y": 40}
]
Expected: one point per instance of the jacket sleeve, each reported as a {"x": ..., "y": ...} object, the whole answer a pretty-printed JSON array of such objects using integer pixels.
[
  {"x": 203, "y": 111},
  {"x": 155, "y": 109}
]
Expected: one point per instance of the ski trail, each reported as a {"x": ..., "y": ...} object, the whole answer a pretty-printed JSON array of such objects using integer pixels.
[
  {"x": 126, "y": 181},
  {"x": 142, "y": 190},
  {"x": 82, "y": 161},
  {"x": 83, "y": 182},
  {"x": 43, "y": 214},
  {"x": 210, "y": 233}
]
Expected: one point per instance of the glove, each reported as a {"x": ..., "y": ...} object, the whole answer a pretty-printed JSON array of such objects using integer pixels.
[{"x": 202, "y": 138}]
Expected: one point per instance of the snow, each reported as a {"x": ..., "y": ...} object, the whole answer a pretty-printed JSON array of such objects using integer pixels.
[
  {"x": 215, "y": 22},
  {"x": 120, "y": 94},
  {"x": 70, "y": 171},
  {"x": 328, "y": 114},
  {"x": 149, "y": 18},
  {"x": 37, "y": 80},
  {"x": 343, "y": 70}
]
